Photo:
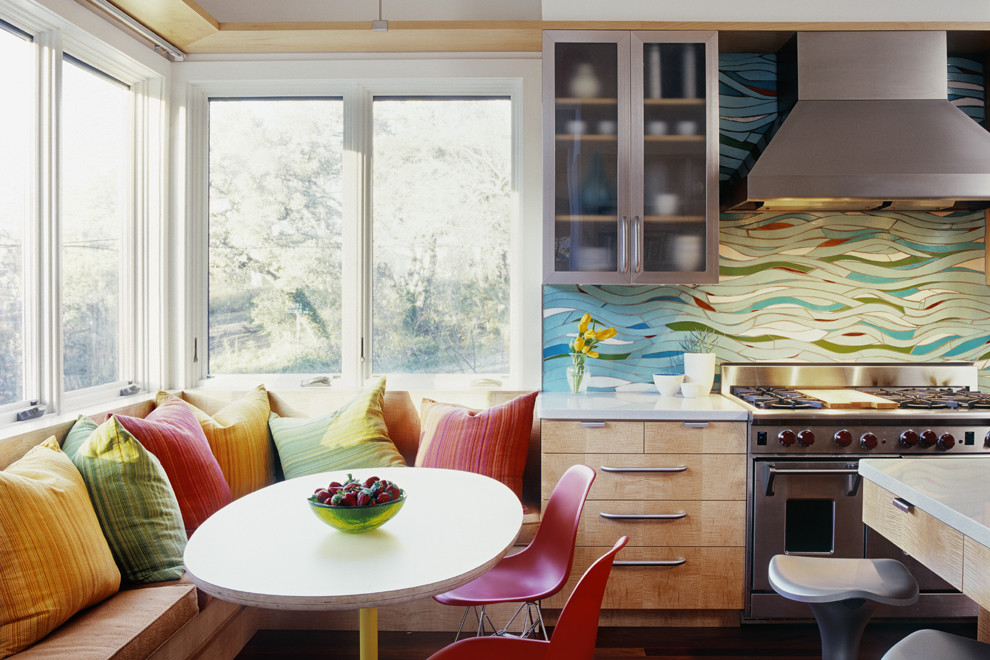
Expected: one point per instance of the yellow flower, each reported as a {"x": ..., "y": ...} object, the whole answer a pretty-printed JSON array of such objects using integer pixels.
[
  {"x": 592, "y": 354},
  {"x": 586, "y": 349},
  {"x": 579, "y": 344},
  {"x": 583, "y": 325},
  {"x": 590, "y": 334},
  {"x": 606, "y": 333}
]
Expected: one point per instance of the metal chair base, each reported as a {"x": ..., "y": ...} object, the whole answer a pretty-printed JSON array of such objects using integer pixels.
[{"x": 532, "y": 622}]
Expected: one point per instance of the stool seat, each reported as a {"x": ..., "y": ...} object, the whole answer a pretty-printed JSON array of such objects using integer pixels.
[
  {"x": 937, "y": 644},
  {"x": 842, "y": 594},
  {"x": 830, "y": 579}
]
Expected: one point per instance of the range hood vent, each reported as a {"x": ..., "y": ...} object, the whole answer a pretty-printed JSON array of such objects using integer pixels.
[{"x": 867, "y": 125}]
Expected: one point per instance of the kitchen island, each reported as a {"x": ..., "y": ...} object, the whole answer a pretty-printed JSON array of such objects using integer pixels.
[{"x": 938, "y": 511}]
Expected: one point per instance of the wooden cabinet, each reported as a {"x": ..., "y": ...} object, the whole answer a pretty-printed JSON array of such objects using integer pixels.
[
  {"x": 924, "y": 537},
  {"x": 677, "y": 489},
  {"x": 631, "y": 157}
]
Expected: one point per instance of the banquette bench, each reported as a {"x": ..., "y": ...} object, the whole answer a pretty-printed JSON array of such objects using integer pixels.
[{"x": 172, "y": 619}]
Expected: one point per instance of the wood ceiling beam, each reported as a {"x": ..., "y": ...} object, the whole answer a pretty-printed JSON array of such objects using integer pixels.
[{"x": 193, "y": 30}]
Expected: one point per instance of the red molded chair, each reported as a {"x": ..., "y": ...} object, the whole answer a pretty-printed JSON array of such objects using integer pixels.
[
  {"x": 539, "y": 570},
  {"x": 573, "y": 637}
]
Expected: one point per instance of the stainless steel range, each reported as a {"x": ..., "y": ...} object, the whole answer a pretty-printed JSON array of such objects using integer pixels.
[{"x": 810, "y": 425}]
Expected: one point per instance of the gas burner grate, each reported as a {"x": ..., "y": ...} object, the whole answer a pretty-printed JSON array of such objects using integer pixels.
[{"x": 776, "y": 398}]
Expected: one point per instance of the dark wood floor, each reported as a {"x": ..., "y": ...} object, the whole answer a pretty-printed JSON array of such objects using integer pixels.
[{"x": 755, "y": 641}]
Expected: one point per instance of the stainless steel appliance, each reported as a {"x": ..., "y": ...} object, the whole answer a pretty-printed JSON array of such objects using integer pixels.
[{"x": 809, "y": 426}]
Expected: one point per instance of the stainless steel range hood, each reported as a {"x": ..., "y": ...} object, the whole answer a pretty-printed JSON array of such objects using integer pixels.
[{"x": 870, "y": 128}]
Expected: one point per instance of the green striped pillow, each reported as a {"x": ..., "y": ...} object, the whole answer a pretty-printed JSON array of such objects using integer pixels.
[
  {"x": 134, "y": 503},
  {"x": 355, "y": 436},
  {"x": 77, "y": 435}
]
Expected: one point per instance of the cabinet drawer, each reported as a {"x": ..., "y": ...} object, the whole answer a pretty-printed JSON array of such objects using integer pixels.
[
  {"x": 695, "y": 437},
  {"x": 708, "y": 578},
  {"x": 584, "y": 437},
  {"x": 690, "y": 523},
  {"x": 925, "y": 538},
  {"x": 655, "y": 476}
]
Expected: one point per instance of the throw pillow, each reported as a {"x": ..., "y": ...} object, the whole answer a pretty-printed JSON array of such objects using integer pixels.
[
  {"x": 492, "y": 442},
  {"x": 77, "y": 435},
  {"x": 238, "y": 436},
  {"x": 134, "y": 503},
  {"x": 173, "y": 435},
  {"x": 355, "y": 436},
  {"x": 54, "y": 560}
]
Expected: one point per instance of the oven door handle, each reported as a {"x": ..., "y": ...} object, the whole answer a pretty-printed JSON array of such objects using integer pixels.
[{"x": 852, "y": 476}]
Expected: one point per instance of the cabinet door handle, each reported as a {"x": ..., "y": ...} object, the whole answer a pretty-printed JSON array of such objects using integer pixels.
[
  {"x": 903, "y": 505},
  {"x": 643, "y": 516},
  {"x": 637, "y": 224},
  {"x": 696, "y": 425},
  {"x": 679, "y": 468},
  {"x": 593, "y": 425},
  {"x": 624, "y": 244},
  {"x": 650, "y": 562}
]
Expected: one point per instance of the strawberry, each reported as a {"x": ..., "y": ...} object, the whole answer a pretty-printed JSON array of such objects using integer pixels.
[
  {"x": 369, "y": 481},
  {"x": 348, "y": 499},
  {"x": 363, "y": 498},
  {"x": 382, "y": 498}
]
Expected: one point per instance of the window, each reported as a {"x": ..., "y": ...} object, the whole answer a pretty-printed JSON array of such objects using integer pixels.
[
  {"x": 81, "y": 214},
  {"x": 442, "y": 214},
  {"x": 372, "y": 230},
  {"x": 94, "y": 177},
  {"x": 275, "y": 235},
  {"x": 15, "y": 154}
]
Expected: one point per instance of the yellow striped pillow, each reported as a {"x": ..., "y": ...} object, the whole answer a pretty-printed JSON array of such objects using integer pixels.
[
  {"x": 239, "y": 439},
  {"x": 54, "y": 560},
  {"x": 355, "y": 436}
]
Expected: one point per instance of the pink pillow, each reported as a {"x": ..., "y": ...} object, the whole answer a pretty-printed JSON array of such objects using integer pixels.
[
  {"x": 492, "y": 442},
  {"x": 172, "y": 433}
]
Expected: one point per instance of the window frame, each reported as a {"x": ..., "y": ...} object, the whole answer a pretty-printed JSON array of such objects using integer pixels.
[
  {"x": 357, "y": 83},
  {"x": 77, "y": 33}
]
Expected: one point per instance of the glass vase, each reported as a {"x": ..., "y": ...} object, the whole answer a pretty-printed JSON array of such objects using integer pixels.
[{"x": 577, "y": 378}]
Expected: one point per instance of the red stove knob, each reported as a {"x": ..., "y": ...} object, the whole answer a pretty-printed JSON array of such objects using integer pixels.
[
  {"x": 868, "y": 441},
  {"x": 908, "y": 439},
  {"x": 927, "y": 438},
  {"x": 945, "y": 442},
  {"x": 786, "y": 438},
  {"x": 805, "y": 438},
  {"x": 844, "y": 438}
]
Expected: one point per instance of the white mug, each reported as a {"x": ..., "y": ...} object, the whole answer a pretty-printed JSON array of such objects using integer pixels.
[
  {"x": 687, "y": 127},
  {"x": 656, "y": 127},
  {"x": 606, "y": 127}
]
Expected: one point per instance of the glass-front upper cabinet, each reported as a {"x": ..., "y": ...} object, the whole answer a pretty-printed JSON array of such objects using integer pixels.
[{"x": 630, "y": 157}]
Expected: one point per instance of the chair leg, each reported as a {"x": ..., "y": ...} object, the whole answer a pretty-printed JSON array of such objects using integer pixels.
[{"x": 841, "y": 625}]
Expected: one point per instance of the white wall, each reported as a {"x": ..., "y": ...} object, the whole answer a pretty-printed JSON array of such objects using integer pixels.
[{"x": 768, "y": 10}]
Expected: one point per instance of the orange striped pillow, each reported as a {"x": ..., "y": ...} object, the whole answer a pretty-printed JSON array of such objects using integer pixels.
[
  {"x": 492, "y": 442},
  {"x": 172, "y": 433},
  {"x": 54, "y": 560},
  {"x": 238, "y": 435}
]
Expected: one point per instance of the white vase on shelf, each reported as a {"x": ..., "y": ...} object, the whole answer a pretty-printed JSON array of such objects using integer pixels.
[{"x": 584, "y": 84}]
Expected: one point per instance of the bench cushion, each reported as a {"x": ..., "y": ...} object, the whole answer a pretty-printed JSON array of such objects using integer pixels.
[
  {"x": 130, "y": 625},
  {"x": 54, "y": 560}
]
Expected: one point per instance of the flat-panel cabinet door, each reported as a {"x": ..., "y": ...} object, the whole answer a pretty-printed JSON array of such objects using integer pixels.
[{"x": 586, "y": 93}]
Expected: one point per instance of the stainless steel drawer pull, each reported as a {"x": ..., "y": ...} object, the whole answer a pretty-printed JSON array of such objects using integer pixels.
[
  {"x": 696, "y": 425},
  {"x": 903, "y": 505},
  {"x": 643, "y": 516},
  {"x": 679, "y": 468},
  {"x": 593, "y": 425},
  {"x": 651, "y": 562}
]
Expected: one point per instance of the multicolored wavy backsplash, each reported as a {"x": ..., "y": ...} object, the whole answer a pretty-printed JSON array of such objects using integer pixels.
[{"x": 798, "y": 286}]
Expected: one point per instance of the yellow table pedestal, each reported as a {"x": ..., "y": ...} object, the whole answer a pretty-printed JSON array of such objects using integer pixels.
[{"x": 369, "y": 633}]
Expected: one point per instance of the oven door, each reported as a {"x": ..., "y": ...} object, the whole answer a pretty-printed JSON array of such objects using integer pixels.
[{"x": 805, "y": 507}]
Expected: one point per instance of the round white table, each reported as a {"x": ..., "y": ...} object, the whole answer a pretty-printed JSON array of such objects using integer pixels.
[{"x": 268, "y": 549}]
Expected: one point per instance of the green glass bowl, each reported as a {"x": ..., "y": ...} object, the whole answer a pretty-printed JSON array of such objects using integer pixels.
[{"x": 357, "y": 519}]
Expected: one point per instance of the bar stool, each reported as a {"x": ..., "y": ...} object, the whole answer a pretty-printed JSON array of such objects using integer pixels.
[
  {"x": 842, "y": 593},
  {"x": 937, "y": 644}
]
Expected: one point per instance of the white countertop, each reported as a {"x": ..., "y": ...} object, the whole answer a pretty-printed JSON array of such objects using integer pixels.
[
  {"x": 954, "y": 489},
  {"x": 637, "y": 406}
]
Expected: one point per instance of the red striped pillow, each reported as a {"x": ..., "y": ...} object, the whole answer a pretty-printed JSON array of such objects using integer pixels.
[
  {"x": 492, "y": 442},
  {"x": 172, "y": 433}
]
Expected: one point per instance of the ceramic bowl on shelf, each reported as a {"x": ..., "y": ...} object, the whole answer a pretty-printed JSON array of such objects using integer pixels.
[
  {"x": 668, "y": 384},
  {"x": 576, "y": 127},
  {"x": 356, "y": 519},
  {"x": 693, "y": 390}
]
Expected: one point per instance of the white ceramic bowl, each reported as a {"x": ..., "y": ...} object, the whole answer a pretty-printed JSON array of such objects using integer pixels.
[
  {"x": 668, "y": 384},
  {"x": 692, "y": 390}
]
